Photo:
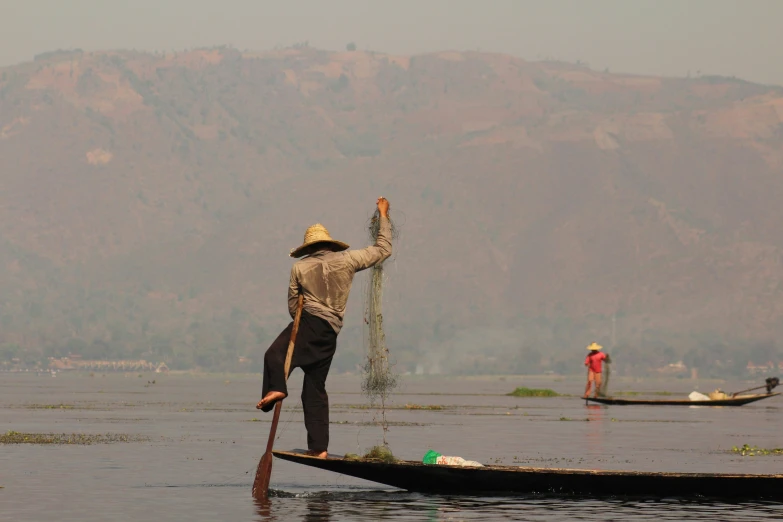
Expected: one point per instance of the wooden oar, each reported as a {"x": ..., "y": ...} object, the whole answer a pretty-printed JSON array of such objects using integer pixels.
[
  {"x": 264, "y": 469},
  {"x": 771, "y": 384}
]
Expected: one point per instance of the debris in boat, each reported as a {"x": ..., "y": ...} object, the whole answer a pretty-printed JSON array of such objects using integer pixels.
[
  {"x": 382, "y": 453},
  {"x": 533, "y": 392},
  {"x": 433, "y": 457},
  {"x": 376, "y": 453},
  {"x": 718, "y": 395},
  {"x": 696, "y": 396},
  {"x": 633, "y": 393},
  {"x": 379, "y": 379}
]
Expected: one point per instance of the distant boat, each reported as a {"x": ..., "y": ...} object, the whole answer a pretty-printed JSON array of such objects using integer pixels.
[
  {"x": 729, "y": 401},
  {"x": 697, "y": 399},
  {"x": 456, "y": 480}
]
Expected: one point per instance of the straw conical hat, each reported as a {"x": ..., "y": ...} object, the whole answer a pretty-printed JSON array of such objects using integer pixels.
[
  {"x": 316, "y": 234},
  {"x": 595, "y": 346}
]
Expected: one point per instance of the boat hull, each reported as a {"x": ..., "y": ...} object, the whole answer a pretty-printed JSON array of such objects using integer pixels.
[
  {"x": 455, "y": 480},
  {"x": 735, "y": 401}
]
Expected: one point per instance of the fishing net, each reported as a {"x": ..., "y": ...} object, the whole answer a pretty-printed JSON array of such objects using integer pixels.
[
  {"x": 379, "y": 378},
  {"x": 602, "y": 392}
]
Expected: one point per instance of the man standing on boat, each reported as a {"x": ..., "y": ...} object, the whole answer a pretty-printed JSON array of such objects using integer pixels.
[
  {"x": 594, "y": 361},
  {"x": 324, "y": 277}
]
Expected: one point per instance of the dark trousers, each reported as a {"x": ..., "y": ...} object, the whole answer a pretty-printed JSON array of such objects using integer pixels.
[{"x": 316, "y": 342}]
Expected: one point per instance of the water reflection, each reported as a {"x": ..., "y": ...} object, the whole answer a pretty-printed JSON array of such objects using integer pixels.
[
  {"x": 318, "y": 510},
  {"x": 370, "y": 505},
  {"x": 596, "y": 428},
  {"x": 264, "y": 509},
  {"x": 595, "y": 411}
]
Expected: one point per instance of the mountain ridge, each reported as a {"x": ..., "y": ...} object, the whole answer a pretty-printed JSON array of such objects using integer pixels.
[{"x": 156, "y": 197}]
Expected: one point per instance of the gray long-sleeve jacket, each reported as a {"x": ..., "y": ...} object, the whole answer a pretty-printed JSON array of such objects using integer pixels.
[{"x": 326, "y": 277}]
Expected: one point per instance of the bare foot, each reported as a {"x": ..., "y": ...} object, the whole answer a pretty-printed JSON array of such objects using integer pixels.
[
  {"x": 271, "y": 398},
  {"x": 317, "y": 454}
]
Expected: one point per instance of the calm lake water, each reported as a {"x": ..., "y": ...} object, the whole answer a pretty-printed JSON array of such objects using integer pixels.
[{"x": 204, "y": 439}]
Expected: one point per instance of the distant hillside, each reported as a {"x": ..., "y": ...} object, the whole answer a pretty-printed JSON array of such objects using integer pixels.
[{"x": 148, "y": 203}]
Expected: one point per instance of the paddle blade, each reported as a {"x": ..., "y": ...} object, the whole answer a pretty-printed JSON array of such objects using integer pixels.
[
  {"x": 264, "y": 469},
  {"x": 263, "y": 475}
]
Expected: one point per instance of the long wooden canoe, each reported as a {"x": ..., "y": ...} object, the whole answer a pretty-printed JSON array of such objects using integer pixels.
[
  {"x": 455, "y": 480},
  {"x": 733, "y": 401}
]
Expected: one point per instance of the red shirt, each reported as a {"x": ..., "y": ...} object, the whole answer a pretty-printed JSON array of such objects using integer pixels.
[{"x": 594, "y": 361}]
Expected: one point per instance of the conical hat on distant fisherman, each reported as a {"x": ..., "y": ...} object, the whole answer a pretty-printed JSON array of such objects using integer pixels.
[
  {"x": 314, "y": 235},
  {"x": 595, "y": 346}
]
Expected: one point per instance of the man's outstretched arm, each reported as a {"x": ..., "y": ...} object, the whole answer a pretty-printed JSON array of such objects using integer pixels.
[{"x": 382, "y": 249}]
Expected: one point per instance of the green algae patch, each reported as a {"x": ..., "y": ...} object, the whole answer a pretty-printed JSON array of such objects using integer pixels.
[
  {"x": 84, "y": 439},
  {"x": 431, "y": 407},
  {"x": 752, "y": 451},
  {"x": 533, "y": 392},
  {"x": 50, "y": 407},
  {"x": 375, "y": 423}
]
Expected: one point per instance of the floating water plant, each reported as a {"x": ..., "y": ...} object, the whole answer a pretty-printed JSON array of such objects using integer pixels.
[
  {"x": 15, "y": 437},
  {"x": 434, "y": 407},
  {"x": 533, "y": 392},
  {"x": 419, "y": 407},
  {"x": 49, "y": 406},
  {"x": 751, "y": 451}
]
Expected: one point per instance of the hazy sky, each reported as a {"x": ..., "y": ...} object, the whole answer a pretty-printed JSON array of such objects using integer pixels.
[{"x": 666, "y": 37}]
